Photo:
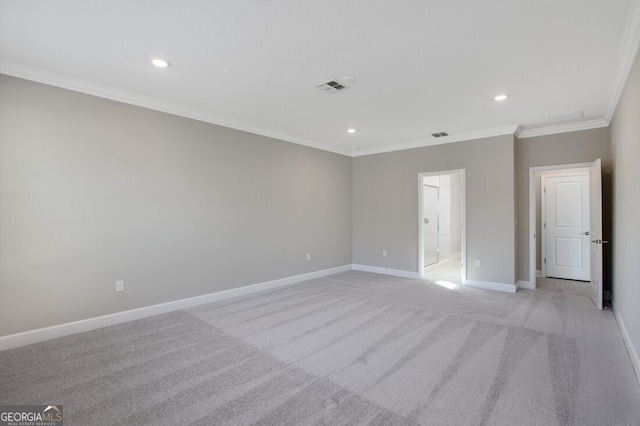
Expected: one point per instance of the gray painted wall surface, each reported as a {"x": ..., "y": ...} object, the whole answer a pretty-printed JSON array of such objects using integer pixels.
[
  {"x": 564, "y": 148},
  {"x": 625, "y": 241},
  {"x": 385, "y": 205},
  {"x": 93, "y": 191}
]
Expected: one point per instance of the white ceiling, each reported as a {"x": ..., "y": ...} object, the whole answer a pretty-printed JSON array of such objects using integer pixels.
[{"x": 421, "y": 66}]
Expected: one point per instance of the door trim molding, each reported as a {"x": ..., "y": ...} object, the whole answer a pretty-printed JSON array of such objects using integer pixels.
[{"x": 532, "y": 212}]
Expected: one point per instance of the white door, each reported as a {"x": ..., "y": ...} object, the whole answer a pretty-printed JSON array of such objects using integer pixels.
[
  {"x": 596, "y": 241},
  {"x": 566, "y": 227}
]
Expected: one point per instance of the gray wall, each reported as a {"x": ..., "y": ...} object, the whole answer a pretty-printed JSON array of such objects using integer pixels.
[
  {"x": 625, "y": 241},
  {"x": 385, "y": 205},
  {"x": 564, "y": 148},
  {"x": 93, "y": 191}
]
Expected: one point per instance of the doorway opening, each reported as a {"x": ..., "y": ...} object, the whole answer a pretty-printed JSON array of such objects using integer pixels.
[
  {"x": 442, "y": 242},
  {"x": 565, "y": 242}
]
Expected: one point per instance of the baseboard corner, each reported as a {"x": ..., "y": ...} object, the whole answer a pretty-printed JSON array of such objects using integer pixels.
[{"x": 526, "y": 285}]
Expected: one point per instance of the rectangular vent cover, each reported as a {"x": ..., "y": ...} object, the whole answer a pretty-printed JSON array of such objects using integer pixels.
[
  {"x": 439, "y": 134},
  {"x": 332, "y": 86}
]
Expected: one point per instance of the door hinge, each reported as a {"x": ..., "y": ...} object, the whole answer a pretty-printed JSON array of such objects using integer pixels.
[
  {"x": 545, "y": 189},
  {"x": 545, "y": 260},
  {"x": 545, "y": 225}
]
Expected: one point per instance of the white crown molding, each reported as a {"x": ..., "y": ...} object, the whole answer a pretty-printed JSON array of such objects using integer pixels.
[
  {"x": 76, "y": 85},
  {"x": 626, "y": 57},
  {"x": 69, "y": 83},
  {"x": 518, "y": 131},
  {"x": 563, "y": 128},
  {"x": 480, "y": 134},
  {"x": 42, "y": 334}
]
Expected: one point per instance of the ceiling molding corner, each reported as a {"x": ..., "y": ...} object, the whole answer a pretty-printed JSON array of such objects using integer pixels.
[
  {"x": 563, "y": 128},
  {"x": 93, "y": 89},
  {"x": 518, "y": 131},
  {"x": 626, "y": 57}
]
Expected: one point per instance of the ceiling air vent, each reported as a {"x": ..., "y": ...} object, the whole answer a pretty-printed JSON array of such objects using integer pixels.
[
  {"x": 439, "y": 134},
  {"x": 332, "y": 86}
]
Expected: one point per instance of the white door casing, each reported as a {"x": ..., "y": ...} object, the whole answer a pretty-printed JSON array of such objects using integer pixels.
[
  {"x": 566, "y": 227},
  {"x": 596, "y": 238}
]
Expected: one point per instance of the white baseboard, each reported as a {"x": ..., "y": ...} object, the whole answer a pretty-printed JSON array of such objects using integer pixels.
[
  {"x": 538, "y": 273},
  {"x": 455, "y": 256},
  {"x": 633, "y": 353},
  {"x": 386, "y": 271},
  {"x": 34, "y": 336},
  {"x": 507, "y": 288},
  {"x": 526, "y": 285}
]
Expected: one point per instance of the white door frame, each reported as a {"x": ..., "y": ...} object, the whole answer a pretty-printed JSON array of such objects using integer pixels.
[
  {"x": 463, "y": 220},
  {"x": 532, "y": 212}
]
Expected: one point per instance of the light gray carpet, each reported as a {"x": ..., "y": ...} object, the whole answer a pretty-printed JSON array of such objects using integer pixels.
[
  {"x": 352, "y": 348},
  {"x": 579, "y": 288}
]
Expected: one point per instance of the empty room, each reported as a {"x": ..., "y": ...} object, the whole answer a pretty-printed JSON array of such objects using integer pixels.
[{"x": 332, "y": 212}]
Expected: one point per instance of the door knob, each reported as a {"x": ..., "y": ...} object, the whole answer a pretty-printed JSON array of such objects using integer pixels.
[{"x": 586, "y": 233}]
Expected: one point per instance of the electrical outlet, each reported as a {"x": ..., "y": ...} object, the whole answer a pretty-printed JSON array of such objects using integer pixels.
[
  {"x": 478, "y": 263},
  {"x": 384, "y": 253},
  {"x": 120, "y": 285},
  {"x": 620, "y": 287},
  {"x": 308, "y": 256}
]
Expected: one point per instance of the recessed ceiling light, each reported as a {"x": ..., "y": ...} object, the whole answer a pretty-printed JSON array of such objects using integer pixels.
[
  {"x": 354, "y": 148},
  {"x": 160, "y": 62},
  {"x": 352, "y": 130},
  {"x": 501, "y": 97}
]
